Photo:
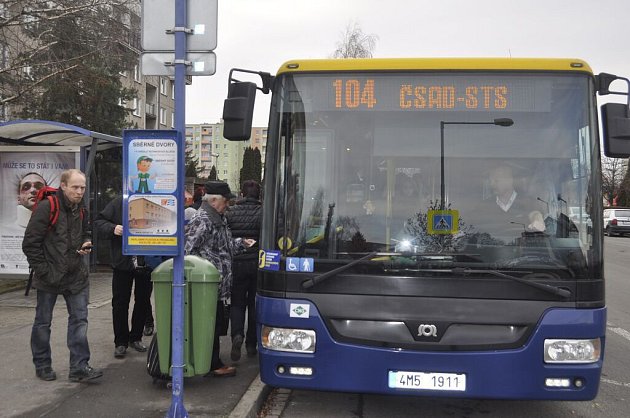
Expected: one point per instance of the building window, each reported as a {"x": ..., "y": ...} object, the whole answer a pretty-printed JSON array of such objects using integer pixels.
[
  {"x": 163, "y": 86},
  {"x": 173, "y": 120},
  {"x": 162, "y": 116},
  {"x": 136, "y": 106},
  {"x": 136, "y": 72},
  {"x": 173, "y": 90}
]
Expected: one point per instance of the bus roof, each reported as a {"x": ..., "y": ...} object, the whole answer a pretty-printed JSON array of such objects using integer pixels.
[{"x": 447, "y": 64}]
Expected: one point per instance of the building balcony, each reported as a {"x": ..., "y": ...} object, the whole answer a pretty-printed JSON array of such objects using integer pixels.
[{"x": 149, "y": 110}]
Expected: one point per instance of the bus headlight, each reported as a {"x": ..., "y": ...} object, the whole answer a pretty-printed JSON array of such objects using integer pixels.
[
  {"x": 572, "y": 351},
  {"x": 288, "y": 339}
]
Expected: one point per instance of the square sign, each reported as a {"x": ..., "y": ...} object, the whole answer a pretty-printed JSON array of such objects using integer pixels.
[
  {"x": 151, "y": 225},
  {"x": 158, "y": 16},
  {"x": 201, "y": 63},
  {"x": 443, "y": 222}
]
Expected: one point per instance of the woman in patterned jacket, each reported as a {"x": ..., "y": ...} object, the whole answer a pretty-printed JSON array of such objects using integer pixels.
[{"x": 209, "y": 237}]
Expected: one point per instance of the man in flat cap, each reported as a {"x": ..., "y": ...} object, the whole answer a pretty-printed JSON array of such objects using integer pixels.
[{"x": 209, "y": 237}]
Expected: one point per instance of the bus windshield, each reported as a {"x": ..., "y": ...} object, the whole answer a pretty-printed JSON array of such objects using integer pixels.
[{"x": 428, "y": 170}]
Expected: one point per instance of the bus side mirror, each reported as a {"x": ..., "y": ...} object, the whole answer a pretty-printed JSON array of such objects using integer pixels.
[
  {"x": 238, "y": 111},
  {"x": 616, "y": 130}
]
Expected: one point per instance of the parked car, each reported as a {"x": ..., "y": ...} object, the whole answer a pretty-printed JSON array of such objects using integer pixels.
[
  {"x": 575, "y": 212},
  {"x": 617, "y": 221}
]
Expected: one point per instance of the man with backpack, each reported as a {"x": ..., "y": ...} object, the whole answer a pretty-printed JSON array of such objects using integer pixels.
[{"x": 55, "y": 241}]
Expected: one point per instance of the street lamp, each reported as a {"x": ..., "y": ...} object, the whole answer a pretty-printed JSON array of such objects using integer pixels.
[{"x": 497, "y": 122}]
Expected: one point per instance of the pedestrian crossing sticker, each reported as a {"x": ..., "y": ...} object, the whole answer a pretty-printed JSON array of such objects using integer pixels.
[{"x": 444, "y": 222}]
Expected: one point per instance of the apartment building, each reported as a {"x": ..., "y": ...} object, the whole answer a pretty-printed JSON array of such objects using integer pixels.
[
  {"x": 206, "y": 142},
  {"x": 153, "y": 105}
]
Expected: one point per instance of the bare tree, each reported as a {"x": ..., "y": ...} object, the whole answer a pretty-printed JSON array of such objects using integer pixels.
[
  {"x": 38, "y": 43},
  {"x": 355, "y": 44},
  {"x": 613, "y": 172}
]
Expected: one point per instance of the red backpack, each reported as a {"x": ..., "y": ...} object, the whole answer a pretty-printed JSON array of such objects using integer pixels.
[{"x": 50, "y": 193}]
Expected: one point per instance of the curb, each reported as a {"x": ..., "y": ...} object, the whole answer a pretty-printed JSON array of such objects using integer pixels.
[
  {"x": 9, "y": 285},
  {"x": 252, "y": 400}
]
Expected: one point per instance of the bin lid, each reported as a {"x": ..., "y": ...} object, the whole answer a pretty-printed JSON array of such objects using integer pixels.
[
  {"x": 196, "y": 269},
  {"x": 163, "y": 272}
]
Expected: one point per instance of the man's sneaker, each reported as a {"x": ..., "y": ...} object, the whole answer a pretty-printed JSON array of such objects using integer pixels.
[
  {"x": 120, "y": 351},
  {"x": 148, "y": 330},
  {"x": 46, "y": 373},
  {"x": 138, "y": 346},
  {"x": 251, "y": 350},
  {"x": 237, "y": 343},
  {"x": 84, "y": 374}
]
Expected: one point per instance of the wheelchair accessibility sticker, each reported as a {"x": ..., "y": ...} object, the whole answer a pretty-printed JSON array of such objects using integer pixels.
[
  {"x": 299, "y": 264},
  {"x": 443, "y": 222}
]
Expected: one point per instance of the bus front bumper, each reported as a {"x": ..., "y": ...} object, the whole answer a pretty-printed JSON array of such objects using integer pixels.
[{"x": 494, "y": 374}]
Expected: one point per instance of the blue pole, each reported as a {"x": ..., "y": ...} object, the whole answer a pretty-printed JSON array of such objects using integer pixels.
[{"x": 177, "y": 408}]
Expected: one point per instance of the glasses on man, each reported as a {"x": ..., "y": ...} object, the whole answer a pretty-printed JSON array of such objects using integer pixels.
[{"x": 28, "y": 185}]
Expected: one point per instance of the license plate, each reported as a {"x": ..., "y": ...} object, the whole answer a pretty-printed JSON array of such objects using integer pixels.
[{"x": 427, "y": 381}]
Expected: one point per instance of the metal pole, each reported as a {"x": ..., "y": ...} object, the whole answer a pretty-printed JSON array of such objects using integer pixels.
[
  {"x": 442, "y": 191},
  {"x": 177, "y": 408}
]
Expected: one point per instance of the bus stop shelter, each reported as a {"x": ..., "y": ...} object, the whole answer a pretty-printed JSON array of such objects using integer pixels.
[{"x": 43, "y": 148}]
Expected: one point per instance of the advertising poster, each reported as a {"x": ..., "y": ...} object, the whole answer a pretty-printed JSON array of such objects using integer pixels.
[
  {"x": 150, "y": 163},
  {"x": 22, "y": 175}
]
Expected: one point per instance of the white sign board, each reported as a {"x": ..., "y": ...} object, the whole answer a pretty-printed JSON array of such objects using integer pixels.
[
  {"x": 201, "y": 63},
  {"x": 158, "y": 16}
]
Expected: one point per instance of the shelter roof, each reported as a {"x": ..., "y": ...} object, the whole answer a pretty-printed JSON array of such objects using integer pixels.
[{"x": 45, "y": 132}]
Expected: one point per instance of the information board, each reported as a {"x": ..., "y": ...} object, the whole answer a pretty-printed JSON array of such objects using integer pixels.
[{"x": 151, "y": 198}]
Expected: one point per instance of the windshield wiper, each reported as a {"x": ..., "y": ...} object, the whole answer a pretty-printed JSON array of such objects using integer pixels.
[
  {"x": 544, "y": 287},
  {"x": 307, "y": 284}
]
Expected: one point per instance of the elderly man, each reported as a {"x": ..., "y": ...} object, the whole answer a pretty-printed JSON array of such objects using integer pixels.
[
  {"x": 55, "y": 252},
  {"x": 209, "y": 237}
]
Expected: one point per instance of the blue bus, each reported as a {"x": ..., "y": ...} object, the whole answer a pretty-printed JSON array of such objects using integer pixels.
[{"x": 417, "y": 238}]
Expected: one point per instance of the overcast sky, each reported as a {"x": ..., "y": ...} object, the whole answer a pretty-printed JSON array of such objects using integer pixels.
[{"x": 262, "y": 34}]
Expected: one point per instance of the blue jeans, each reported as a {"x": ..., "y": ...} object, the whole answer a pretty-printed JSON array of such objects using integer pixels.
[{"x": 77, "y": 329}]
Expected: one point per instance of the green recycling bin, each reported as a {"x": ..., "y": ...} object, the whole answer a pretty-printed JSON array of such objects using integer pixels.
[{"x": 201, "y": 280}]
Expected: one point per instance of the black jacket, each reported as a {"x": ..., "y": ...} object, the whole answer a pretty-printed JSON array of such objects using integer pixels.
[
  {"x": 105, "y": 223},
  {"x": 245, "y": 221},
  {"x": 51, "y": 251}
]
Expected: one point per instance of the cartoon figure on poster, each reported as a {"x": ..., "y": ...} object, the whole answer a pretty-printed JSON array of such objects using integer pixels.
[
  {"x": 152, "y": 166},
  {"x": 143, "y": 176}
]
